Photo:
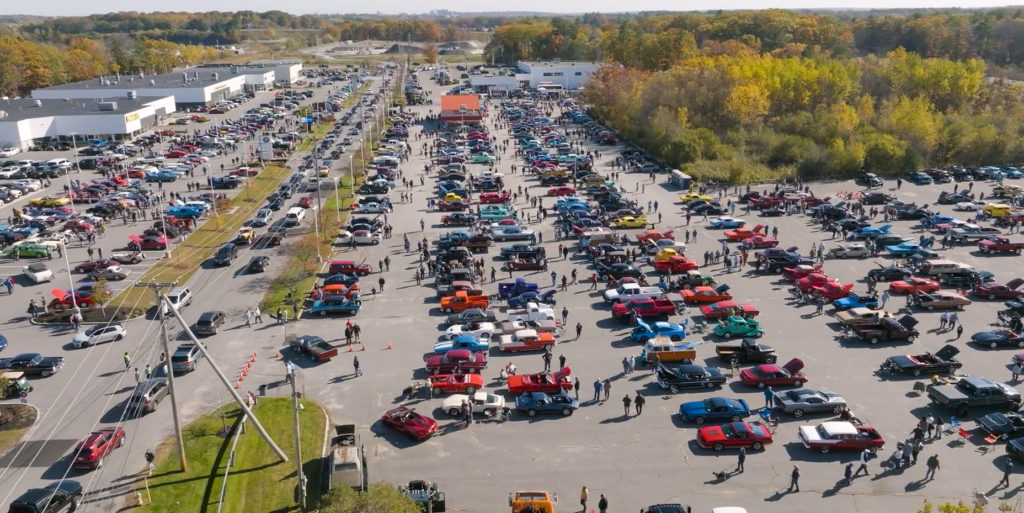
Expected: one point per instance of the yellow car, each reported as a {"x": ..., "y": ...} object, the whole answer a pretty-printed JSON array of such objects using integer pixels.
[
  {"x": 690, "y": 196},
  {"x": 998, "y": 209},
  {"x": 451, "y": 196},
  {"x": 665, "y": 255},
  {"x": 631, "y": 222},
  {"x": 50, "y": 201},
  {"x": 245, "y": 236}
]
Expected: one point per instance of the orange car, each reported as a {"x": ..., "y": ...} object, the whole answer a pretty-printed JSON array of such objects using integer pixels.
[
  {"x": 654, "y": 236},
  {"x": 913, "y": 285},
  {"x": 743, "y": 233},
  {"x": 705, "y": 294}
]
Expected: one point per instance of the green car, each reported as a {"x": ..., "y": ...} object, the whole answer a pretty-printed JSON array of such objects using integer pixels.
[
  {"x": 29, "y": 251},
  {"x": 483, "y": 158},
  {"x": 738, "y": 327},
  {"x": 496, "y": 213}
]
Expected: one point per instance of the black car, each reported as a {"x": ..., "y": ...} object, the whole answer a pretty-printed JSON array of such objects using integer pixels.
[
  {"x": 851, "y": 224},
  {"x": 965, "y": 278},
  {"x": 952, "y": 198},
  {"x": 689, "y": 376},
  {"x": 276, "y": 204},
  {"x": 61, "y": 496},
  {"x": 618, "y": 270},
  {"x": 998, "y": 338},
  {"x": 888, "y": 239},
  {"x": 209, "y": 322},
  {"x": 341, "y": 278},
  {"x": 707, "y": 209},
  {"x": 876, "y": 198},
  {"x": 890, "y": 273},
  {"x": 869, "y": 180},
  {"x": 258, "y": 264},
  {"x": 268, "y": 240},
  {"x": 369, "y": 188},
  {"x": 472, "y": 315},
  {"x": 522, "y": 251},
  {"x": 1003, "y": 425},
  {"x": 33, "y": 364},
  {"x": 225, "y": 254}
]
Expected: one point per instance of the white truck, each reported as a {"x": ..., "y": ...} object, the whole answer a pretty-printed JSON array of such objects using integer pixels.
[
  {"x": 532, "y": 312},
  {"x": 628, "y": 291}
]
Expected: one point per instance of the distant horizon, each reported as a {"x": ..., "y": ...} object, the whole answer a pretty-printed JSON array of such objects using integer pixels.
[{"x": 66, "y": 8}]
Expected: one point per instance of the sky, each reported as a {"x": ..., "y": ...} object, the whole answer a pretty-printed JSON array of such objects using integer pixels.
[{"x": 79, "y": 8}]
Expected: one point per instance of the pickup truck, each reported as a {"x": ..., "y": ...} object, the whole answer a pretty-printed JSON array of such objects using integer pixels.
[
  {"x": 644, "y": 308},
  {"x": 526, "y": 340},
  {"x": 888, "y": 329},
  {"x": 547, "y": 382},
  {"x": 628, "y": 291},
  {"x": 1000, "y": 244},
  {"x": 970, "y": 233},
  {"x": 456, "y": 360},
  {"x": 675, "y": 264},
  {"x": 543, "y": 326},
  {"x": 33, "y": 364},
  {"x": 317, "y": 348},
  {"x": 128, "y": 257},
  {"x": 347, "y": 458},
  {"x": 532, "y": 312},
  {"x": 748, "y": 351},
  {"x": 507, "y": 289},
  {"x": 972, "y": 392},
  {"x": 456, "y": 286},
  {"x": 462, "y": 300}
]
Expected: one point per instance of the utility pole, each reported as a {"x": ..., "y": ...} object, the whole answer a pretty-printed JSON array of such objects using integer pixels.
[
  {"x": 298, "y": 441},
  {"x": 156, "y": 287},
  {"x": 227, "y": 384}
]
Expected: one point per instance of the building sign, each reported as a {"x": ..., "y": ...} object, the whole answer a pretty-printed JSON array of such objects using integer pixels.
[
  {"x": 128, "y": 118},
  {"x": 266, "y": 147}
]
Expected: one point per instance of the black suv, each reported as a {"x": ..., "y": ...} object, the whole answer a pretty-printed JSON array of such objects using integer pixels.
[
  {"x": 57, "y": 497},
  {"x": 225, "y": 254},
  {"x": 209, "y": 322}
]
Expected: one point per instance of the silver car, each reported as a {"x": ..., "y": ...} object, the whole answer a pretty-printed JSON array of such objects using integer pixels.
[{"x": 803, "y": 400}]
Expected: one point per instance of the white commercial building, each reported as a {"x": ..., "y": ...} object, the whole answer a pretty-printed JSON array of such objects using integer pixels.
[
  {"x": 26, "y": 119},
  {"x": 547, "y": 75},
  {"x": 192, "y": 87},
  {"x": 286, "y": 72}
]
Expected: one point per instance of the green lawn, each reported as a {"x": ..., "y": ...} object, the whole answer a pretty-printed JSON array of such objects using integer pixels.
[
  {"x": 259, "y": 482},
  {"x": 187, "y": 257}
]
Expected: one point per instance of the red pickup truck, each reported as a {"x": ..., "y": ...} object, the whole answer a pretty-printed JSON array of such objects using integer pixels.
[
  {"x": 1000, "y": 244},
  {"x": 645, "y": 308},
  {"x": 675, "y": 264},
  {"x": 455, "y": 361}
]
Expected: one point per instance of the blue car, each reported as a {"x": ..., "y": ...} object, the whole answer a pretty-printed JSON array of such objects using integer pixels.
[
  {"x": 345, "y": 279},
  {"x": 185, "y": 211},
  {"x": 161, "y": 176},
  {"x": 448, "y": 342},
  {"x": 336, "y": 305},
  {"x": 715, "y": 409},
  {"x": 538, "y": 402},
  {"x": 919, "y": 178},
  {"x": 940, "y": 219},
  {"x": 520, "y": 301},
  {"x": 870, "y": 231},
  {"x": 1012, "y": 172},
  {"x": 726, "y": 222},
  {"x": 856, "y": 301},
  {"x": 904, "y": 249},
  {"x": 644, "y": 331}
]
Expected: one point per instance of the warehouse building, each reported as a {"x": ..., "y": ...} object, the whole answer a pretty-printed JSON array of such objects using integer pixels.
[
  {"x": 545, "y": 76},
  {"x": 191, "y": 88},
  {"x": 24, "y": 120}
]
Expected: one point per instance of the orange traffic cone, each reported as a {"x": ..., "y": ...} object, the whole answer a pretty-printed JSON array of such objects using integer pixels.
[
  {"x": 364, "y": 348},
  {"x": 389, "y": 345},
  {"x": 253, "y": 359},
  {"x": 237, "y": 385},
  {"x": 277, "y": 354},
  {"x": 350, "y": 349},
  {"x": 254, "y": 354}
]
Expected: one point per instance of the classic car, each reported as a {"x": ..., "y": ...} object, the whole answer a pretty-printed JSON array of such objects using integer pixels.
[
  {"x": 561, "y": 191},
  {"x": 455, "y": 361},
  {"x": 93, "y": 450},
  {"x": 942, "y": 362},
  {"x": 740, "y": 234},
  {"x": 472, "y": 315},
  {"x": 867, "y": 232},
  {"x": 533, "y": 296},
  {"x": 738, "y": 327},
  {"x": 540, "y": 402},
  {"x": 32, "y": 364},
  {"x": 759, "y": 242},
  {"x": 996, "y": 338},
  {"x": 706, "y": 294},
  {"x": 408, "y": 422},
  {"x": 645, "y": 331},
  {"x": 832, "y": 290},
  {"x": 541, "y": 382},
  {"x": 494, "y": 197},
  {"x": 336, "y": 305},
  {"x": 691, "y": 196},
  {"x": 149, "y": 242},
  {"x": 888, "y": 329},
  {"x": 861, "y": 315},
  {"x": 724, "y": 309},
  {"x": 91, "y": 265},
  {"x": 913, "y": 285},
  {"x": 856, "y": 301},
  {"x": 315, "y": 347},
  {"x": 654, "y": 236},
  {"x": 459, "y": 219},
  {"x": 37, "y": 272},
  {"x": 734, "y": 435},
  {"x": 456, "y": 383},
  {"x": 940, "y": 300},
  {"x": 804, "y": 400},
  {"x": 1004, "y": 425},
  {"x": 28, "y": 250},
  {"x": 341, "y": 279},
  {"x": 851, "y": 250},
  {"x": 99, "y": 334},
  {"x": 724, "y": 222},
  {"x": 714, "y": 409},
  {"x": 630, "y": 222},
  {"x": 496, "y": 213},
  {"x": 453, "y": 206},
  {"x": 526, "y": 340},
  {"x": 617, "y": 270},
  {"x": 479, "y": 402},
  {"x": 688, "y": 375},
  {"x": 348, "y": 267},
  {"x": 68, "y": 300},
  {"x": 840, "y": 436},
  {"x": 999, "y": 291},
  {"x": 765, "y": 375},
  {"x": 807, "y": 283},
  {"x": 359, "y": 237},
  {"x": 512, "y": 233},
  {"x": 525, "y": 264},
  {"x": 795, "y": 273},
  {"x": 115, "y": 273},
  {"x": 476, "y": 340}
]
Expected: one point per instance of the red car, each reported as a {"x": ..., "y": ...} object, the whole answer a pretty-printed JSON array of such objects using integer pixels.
[
  {"x": 64, "y": 302},
  {"x": 913, "y": 285},
  {"x": 245, "y": 171},
  {"x": 457, "y": 383},
  {"x": 91, "y": 265},
  {"x": 654, "y": 236},
  {"x": 726, "y": 309},
  {"x": 812, "y": 280},
  {"x": 348, "y": 267},
  {"x": 833, "y": 291},
  {"x": 136, "y": 173},
  {"x": 175, "y": 154},
  {"x": 768, "y": 375},
  {"x": 454, "y": 206},
  {"x": 92, "y": 451},
  {"x": 840, "y": 436},
  {"x": 456, "y": 361},
  {"x": 150, "y": 242},
  {"x": 547, "y": 382},
  {"x": 734, "y": 435},
  {"x": 412, "y": 424},
  {"x": 675, "y": 264},
  {"x": 495, "y": 197},
  {"x": 795, "y": 273},
  {"x": 706, "y": 294},
  {"x": 564, "y": 190},
  {"x": 759, "y": 242},
  {"x": 994, "y": 291},
  {"x": 305, "y": 202},
  {"x": 743, "y": 233}
]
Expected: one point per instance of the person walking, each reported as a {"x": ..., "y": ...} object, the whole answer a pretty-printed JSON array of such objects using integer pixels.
[
  {"x": 930, "y": 431},
  {"x": 148, "y": 371},
  {"x": 565, "y": 315},
  {"x": 864, "y": 455},
  {"x": 597, "y": 390},
  {"x": 1007, "y": 470},
  {"x": 584, "y": 495},
  {"x": 741, "y": 459},
  {"x": 561, "y": 361},
  {"x": 257, "y": 315},
  {"x": 794, "y": 480},
  {"x": 769, "y": 396},
  {"x": 248, "y": 318},
  {"x": 626, "y": 401},
  {"x": 914, "y": 451},
  {"x": 547, "y": 361},
  {"x": 137, "y": 378},
  {"x": 943, "y": 319},
  {"x": 625, "y": 365},
  {"x": 554, "y": 278},
  {"x": 149, "y": 460},
  {"x": 127, "y": 361},
  {"x": 639, "y": 402},
  {"x": 884, "y": 298},
  {"x": 959, "y": 331},
  {"x": 602, "y": 505},
  {"x": 579, "y": 330},
  {"x": 380, "y": 282},
  {"x": 933, "y": 466},
  {"x": 607, "y": 386},
  {"x": 848, "y": 474},
  {"x": 1015, "y": 372},
  {"x": 576, "y": 386},
  {"x": 355, "y": 364}
]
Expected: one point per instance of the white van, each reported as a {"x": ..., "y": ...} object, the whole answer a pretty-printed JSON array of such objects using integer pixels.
[
  {"x": 294, "y": 216},
  {"x": 58, "y": 163}
]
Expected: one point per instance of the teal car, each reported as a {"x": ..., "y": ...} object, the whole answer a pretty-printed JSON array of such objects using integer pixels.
[
  {"x": 29, "y": 251},
  {"x": 496, "y": 213},
  {"x": 336, "y": 305},
  {"x": 482, "y": 158},
  {"x": 741, "y": 327}
]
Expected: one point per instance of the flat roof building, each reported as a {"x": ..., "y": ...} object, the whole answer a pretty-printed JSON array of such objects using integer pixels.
[
  {"x": 539, "y": 75},
  {"x": 26, "y": 119},
  {"x": 191, "y": 87}
]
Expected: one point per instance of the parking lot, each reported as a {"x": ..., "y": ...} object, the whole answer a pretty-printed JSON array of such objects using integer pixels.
[{"x": 635, "y": 460}]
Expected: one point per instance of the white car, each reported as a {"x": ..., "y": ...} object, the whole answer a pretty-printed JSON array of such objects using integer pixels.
[
  {"x": 38, "y": 272},
  {"x": 849, "y": 251},
  {"x": 360, "y": 237},
  {"x": 263, "y": 217},
  {"x": 479, "y": 402},
  {"x": 968, "y": 206},
  {"x": 654, "y": 249},
  {"x": 373, "y": 208},
  {"x": 9, "y": 151},
  {"x": 98, "y": 335}
]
